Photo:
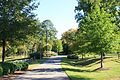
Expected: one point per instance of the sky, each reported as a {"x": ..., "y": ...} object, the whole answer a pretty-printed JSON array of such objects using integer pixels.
[{"x": 60, "y": 12}]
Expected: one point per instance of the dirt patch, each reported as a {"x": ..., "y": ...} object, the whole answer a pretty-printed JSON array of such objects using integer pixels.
[{"x": 19, "y": 72}]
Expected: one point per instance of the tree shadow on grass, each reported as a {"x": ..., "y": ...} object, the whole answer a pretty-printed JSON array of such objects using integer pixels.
[
  {"x": 86, "y": 61},
  {"x": 116, "y": 60},
  {"x": 80, "y": 78},
  {"x": 76, "y": 70}
]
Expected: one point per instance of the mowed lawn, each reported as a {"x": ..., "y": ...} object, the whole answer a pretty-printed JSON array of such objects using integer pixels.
[
  {"x": 88, "y": 69},
  {"x": 33, "y": 64}
]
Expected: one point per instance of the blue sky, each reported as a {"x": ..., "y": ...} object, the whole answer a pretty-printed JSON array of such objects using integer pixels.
[{"x": 60, "y": 12}]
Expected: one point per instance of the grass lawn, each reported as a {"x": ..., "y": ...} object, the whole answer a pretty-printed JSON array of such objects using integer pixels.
[
  {"x": 37, "y": 62},
  {"x": 32, "y": 64},
  {"x": 88, "y": 69},
  {"x": 15, "y": 57}
]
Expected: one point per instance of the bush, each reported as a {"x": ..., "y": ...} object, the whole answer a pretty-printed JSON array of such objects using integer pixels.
[
  {"x": 12, "y": 67},
  {"x": 72, "y": 56},
  {"x": 18, "y": 66},
  {"x": 24, "y": 66},
  {"x": 8, "y": 68},
  {"x": 48, "y": 46},
  {"x": 35, "y": 55},
  {"x": 1, "y": 70},
  {"x": 49, "y": 54},
  {"x": 21, "y": 66}
]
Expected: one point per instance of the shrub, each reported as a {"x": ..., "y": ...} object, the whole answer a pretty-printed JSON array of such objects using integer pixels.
[
  {"x": 6, "y": 69},
  {"x": 35, "y": 55},
  {"x": 48, "y": 46},
  {"x": 72, "y": 56},
  {"x": 24, "y": 66},
  {"x": 1, "y": 70},
  {"x": 49, "y": 54},
  {"x": 18, "y": 66},
  {"x": 21, "y": 65},
  {"x": 12, "y": 67}
]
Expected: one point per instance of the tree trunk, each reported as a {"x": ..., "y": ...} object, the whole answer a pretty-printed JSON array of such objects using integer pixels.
[
  {"x": 40, "y": 51},
  {"x": 82, "y": 55},
  {"x": 3, "y": 50},
  {"x": 46, "y": 40},
  {"x": 101, "y": 60},
  {"x": 33, "y": 47}
]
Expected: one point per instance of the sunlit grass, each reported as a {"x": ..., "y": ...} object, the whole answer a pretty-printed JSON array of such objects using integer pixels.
[
  {"x": 37, "y": 62},
  {"x": 32, "y": 64},
  {"x": 89, "y": 72},
  {"x": 14, "y": 57}
]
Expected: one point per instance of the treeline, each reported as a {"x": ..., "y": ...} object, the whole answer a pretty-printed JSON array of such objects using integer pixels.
[
  {"x": 21, "y": 32},
  {"x": 98, "y": 31}
]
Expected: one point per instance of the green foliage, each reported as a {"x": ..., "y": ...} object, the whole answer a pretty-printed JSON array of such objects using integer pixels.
[
  {"x": 72, "y": 56},
  {"x": 48, "y": 33},
  {"x": 49, "y": 54},
  {"x": 102, "y": 36},
  {"x": 6, "y": 69},
  {"x": 88, "y": 68},
  {"x": 11, "y": 51},
  {"x": 21, "y": 65},
  {"x": 35, "y": 55},
  {"x": 48, "y": 46},
  {"x": 57, "y": 46},
  {"x": 10, "y": 67},
  {"x": 69, "y": 38},
  {"x": 49, "y": 30},
  {"x": 98, "y": 30},
  {"x": 1, "y": 71},
  {"x": 17, "y": 21},
  {"x": 65, "y": 48},
  {"x": 24, "y": 66}
]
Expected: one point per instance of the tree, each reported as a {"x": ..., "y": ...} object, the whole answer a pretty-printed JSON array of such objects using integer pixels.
[
  {"x": 49, "y": 31},
  {"x": 16, "y": 20},
  {"x": 57, "y": 46},
  {"x": 68, "y": 39},
  {"x": 98, "y": 25}
]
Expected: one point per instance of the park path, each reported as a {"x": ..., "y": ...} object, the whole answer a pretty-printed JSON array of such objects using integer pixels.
[{"x": 50, "y": 70}]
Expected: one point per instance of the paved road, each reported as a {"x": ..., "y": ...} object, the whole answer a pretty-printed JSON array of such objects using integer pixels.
[{"x": 50, "y": 70}]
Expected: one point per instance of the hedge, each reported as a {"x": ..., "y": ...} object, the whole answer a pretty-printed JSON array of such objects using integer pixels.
[{"x": 10, "y": 67}]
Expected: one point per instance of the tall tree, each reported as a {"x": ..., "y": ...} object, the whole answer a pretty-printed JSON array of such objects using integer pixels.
[
  {"x": 69, "y": 38},
  {"x": 16, "y": 20},
  {"x": 98, "y": 24},
  {"x": 49, "y": 31},
  {"x": 57, "y": 46}
]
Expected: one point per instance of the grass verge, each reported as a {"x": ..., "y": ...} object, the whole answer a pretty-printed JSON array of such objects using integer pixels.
[
  {"x": 88, "y": 69},
  {"x": 34, "y": 63}
]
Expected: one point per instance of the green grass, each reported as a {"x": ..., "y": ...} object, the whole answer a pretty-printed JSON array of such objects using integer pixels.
[
  {"x": 87, "y": 69},
  {"x": 15, "y": 57},
  {"x": 32, "y": 64},
  {"x": 37, "y": 62}
]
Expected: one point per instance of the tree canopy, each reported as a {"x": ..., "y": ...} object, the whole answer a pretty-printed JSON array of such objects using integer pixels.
[
  {"x": 17, "y": 20},
  {"x": 98, "y": 31}
]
